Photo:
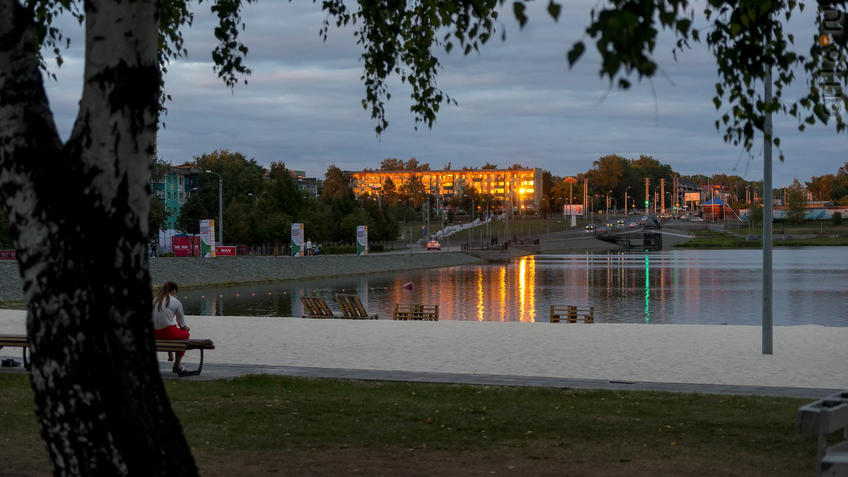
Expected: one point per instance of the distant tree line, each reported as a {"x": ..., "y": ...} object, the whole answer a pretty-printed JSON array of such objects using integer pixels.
[{"x": 261, "y": 204}]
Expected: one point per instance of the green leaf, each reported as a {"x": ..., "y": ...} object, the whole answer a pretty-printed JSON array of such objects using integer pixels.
[
  {"x": 518, "y": 9},
  {"x": 554, "y": 9},
  {"x": 575, "y": 53}
]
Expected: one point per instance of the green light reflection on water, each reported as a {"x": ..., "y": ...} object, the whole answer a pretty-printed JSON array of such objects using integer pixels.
[{"x": 647, "y": 289}]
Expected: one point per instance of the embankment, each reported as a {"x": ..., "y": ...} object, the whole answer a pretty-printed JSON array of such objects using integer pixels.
[{"x": 191, "y": 271}]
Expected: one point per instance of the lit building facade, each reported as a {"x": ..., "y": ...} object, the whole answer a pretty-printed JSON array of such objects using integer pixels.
[{"x": 520, "y": 188}]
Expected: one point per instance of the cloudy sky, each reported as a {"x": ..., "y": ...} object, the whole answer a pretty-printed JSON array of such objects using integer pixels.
[{"x": 518, "y": 103}]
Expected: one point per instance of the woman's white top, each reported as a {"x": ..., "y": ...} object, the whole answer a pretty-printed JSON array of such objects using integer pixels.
[{"x": 169, "y": 315}]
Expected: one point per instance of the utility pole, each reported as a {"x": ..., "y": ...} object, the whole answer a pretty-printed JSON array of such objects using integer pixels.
[
  {"x": 767, "y": 215},
  {"x": 625, "y": 199},
  {"x": 647, "y": 194},
  {"x": 662, "y": 195},
  {"x": 585, "y": 195}
]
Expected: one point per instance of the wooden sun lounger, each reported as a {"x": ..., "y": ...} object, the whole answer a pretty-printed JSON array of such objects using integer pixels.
[
  {"x": 314, "y": 307},
  {"x": 415, "y": 311},
  {"x": 351, "y": 307},
  {"x": 20, "y": 341},
  {"x": 572, "y": 314}
]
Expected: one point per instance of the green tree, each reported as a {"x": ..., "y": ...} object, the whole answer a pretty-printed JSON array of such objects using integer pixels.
[
  {"x": 489, "y": 165},
  {"x": 335, "y": 185},
  {"x": 238, "y": 229},
  {"x": 389, "y": 192},
  {"x": 240, "y": 176},
  {"x": 392, "y": 164},
  {"x": 283, "y": 189},
  {"x": 97, "y": 213},
  {"x": 347, "y": 227},
  {"x": 755, "y": 214},
  {"x": 412, "y": 191},
  {"x": 413, "y": 165},
  {"x": 270, "y": 226},
  {"x": 191, "y": 213},
  {"x": 821, "y": 187},
  {"x": 155, "y": 218},
  {"x": 796, "y": 202},
  {"x": 318, "y": 221}
]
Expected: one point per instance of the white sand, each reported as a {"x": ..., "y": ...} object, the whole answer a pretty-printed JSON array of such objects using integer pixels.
[{"x": 804, "y": 356}]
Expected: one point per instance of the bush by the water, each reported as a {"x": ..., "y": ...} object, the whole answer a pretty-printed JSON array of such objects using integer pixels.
[{"x": 836, "y": 218}]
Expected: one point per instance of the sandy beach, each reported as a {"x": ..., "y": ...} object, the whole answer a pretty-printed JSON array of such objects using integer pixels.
[{"x": 809, "y": 356}]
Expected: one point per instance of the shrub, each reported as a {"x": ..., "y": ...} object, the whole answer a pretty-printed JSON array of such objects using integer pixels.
[{"x": 836, "y": 218}]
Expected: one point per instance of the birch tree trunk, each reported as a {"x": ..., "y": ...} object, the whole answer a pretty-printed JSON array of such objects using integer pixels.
[{"x": 79, "y": 218}]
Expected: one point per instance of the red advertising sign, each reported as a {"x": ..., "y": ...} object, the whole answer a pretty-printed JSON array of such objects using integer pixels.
[
  {"x": 181, "y": 245},
  {"x": 225, "y": 251},
  {"x": 7, "y": 254}
]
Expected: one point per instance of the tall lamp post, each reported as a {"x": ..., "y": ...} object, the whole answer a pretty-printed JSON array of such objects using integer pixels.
[
  {"x": 625, "y": 199},
  {"x": 220, "y": 206}
]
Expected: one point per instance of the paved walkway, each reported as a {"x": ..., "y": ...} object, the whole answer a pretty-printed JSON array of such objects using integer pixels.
[{"x": 224, "y": 371}]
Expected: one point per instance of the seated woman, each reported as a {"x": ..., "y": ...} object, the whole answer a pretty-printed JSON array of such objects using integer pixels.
[{"x": 169, "y": 320}]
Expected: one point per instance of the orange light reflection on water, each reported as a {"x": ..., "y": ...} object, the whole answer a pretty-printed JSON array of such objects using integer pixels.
[
  {"x": 481, "y": 307},
  {"x": 502, "y": 287},
  {"x": 527, "y": 289}
]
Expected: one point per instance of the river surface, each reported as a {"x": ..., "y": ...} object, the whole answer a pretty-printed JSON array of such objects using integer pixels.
[{"x": 674, "y": 286}]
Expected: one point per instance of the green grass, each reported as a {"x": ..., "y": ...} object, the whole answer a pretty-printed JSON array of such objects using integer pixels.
[
  {"x": 260, "y": 416},
  {"x": 705, "y": 238}
]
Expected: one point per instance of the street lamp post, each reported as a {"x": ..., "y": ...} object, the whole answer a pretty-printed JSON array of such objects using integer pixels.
[
  {"x": 220, "y": 206},
  {"x": 625, "y": 199}
]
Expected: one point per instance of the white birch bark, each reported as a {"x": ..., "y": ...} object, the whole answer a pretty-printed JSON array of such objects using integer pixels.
[{"x": 79, "y": 217}]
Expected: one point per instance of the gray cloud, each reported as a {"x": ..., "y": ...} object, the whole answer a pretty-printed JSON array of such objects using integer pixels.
[{"x": 518, "y": 102}]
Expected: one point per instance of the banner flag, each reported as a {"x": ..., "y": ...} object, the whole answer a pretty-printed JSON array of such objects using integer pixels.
[
  {"x": 207, "y": 238},
  {"x": 297, "y": 240},
  {"x": 362, "y": 240}
]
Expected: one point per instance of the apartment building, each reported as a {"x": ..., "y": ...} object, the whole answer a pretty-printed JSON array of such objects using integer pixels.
[
  {"x": 520, "y": 188},
  {"x": 174, "y": 189}
]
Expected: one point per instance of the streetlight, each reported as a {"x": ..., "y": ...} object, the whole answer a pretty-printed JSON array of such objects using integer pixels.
[
  {"x": 220, "y": 206},
  {"x": 625, "y": 199}
]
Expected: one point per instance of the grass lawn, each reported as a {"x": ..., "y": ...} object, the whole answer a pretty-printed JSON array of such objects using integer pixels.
[{"x": 260, "y": 425}]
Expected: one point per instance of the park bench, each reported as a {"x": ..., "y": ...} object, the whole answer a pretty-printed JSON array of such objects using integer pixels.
[
  {"x": 572, "y": 314},
  {"x": 314, "y": 307},
  {"x": 822, "y": 418},
  {"x": 20, "y": 341},
  {"x": 16, "y": 341},
  {"x": 351, "y": 307},
  {"x": 414, "y": 311}
]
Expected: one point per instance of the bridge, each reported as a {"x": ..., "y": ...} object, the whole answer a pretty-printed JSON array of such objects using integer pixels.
[{"x": 645, "y": 237}]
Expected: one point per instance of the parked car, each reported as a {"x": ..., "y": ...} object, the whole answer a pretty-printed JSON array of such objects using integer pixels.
[
  {"x": 434, "y": 245},
  {"x": 697, "y": 219}
]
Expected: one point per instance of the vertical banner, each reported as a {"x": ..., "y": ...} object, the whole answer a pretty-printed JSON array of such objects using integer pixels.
[
  {"x": 297, "y": 240},
  {"x": 362, "y": 240},
  {"x": 207, "y": 238}
]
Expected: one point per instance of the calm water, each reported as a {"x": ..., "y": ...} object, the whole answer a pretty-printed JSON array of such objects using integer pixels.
[{"x": 675, "y": 286}]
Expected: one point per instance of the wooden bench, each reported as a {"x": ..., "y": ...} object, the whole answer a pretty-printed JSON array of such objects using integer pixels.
[
  {"x": 176, "y": 346},
  {"x": 572, "y": 314},
  {"x": 351, "y": 307},
  {"x": 314, "y": 307},
  {"x": 822, "y": 418},
  {"x": 414, "y": 311},
  {"x": 20, "y": 341},
  {"x": 16, "y": 341}
]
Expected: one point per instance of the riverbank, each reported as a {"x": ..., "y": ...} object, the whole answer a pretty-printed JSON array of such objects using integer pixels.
[
  {"x": 712, "y": 238},
  {"x": 196, "y": 272}
]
